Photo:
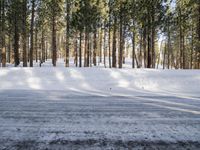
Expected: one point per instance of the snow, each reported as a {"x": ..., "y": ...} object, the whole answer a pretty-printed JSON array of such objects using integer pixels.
[
  {"x": 99, "y": 108},
  {"x": 103, "y": 81}
]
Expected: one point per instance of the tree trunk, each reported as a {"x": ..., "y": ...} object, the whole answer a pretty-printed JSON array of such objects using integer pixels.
[
  {"x": 192, "y": 49},
  {"x": 67, "y": 33},
  {"x": 133, "y": 51},
  {"x": 165, "y": 51},
  {"x": 80, "y": 50},
  {"x": 149, "y": 53},
  {"x": 36, "y": 45},
  {"x": 100, "y": 47},
  {"x": 0, "y": 32},
  {"x": 114, "y": 62},
  {"x": 181, "y": 39},
  {"x": 184, "y": 57},
  {"x": 169, "y": 47},
  {"x": 43, "y": 46},
  {"x": 9, "y": 46},
  {"x": 121, "y": 42},
  {"x": 86, "y": 50},
  {"x": 104, "y": 48},
  {"x": 199, "y": 34},
  {"x": 32, "y": 28},
  {"x": 144, "y": 47},
  {"x": 95, "y": 49},
  {"x": 109, "y": 37},
  {"x": 3, "y": 35},
  {"x": 54, "y": 47},
  {"x": 16, "y": 42},
  {"x": 140, "y": 57},
  {"x": 76, "y": 50},
  {"x": 24, "y": 33},
  {"x": 153, "y": 59},
  {"x": 153, "y": 55}
]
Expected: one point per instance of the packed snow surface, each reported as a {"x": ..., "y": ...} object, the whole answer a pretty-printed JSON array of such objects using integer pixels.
[{"x": 98, "y": 108}]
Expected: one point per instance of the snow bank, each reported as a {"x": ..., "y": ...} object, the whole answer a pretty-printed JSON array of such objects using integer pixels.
[{"x": 100, "y": 81}]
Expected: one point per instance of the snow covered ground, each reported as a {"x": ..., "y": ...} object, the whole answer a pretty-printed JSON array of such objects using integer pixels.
[{"x": 98, "y": 108}]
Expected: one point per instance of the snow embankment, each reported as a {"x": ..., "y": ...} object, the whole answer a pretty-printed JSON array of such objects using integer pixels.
[{"x": 101, "y": 81}]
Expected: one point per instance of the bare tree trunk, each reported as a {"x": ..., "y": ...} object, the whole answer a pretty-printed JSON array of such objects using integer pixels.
[
  {"x": 76, "y": 50},
  {"x": 169, "y": 48},
  {"x": 36, "y": 45},
  {"x": 88, "y": 50},
  {"x": 199, "y": 34},
  {"x": 164, "y": 59},
  {"x": 121, "y": 42},
  {"x": 54, "y": 47},
  {"x": 109, "y": 37},
  {"x": 95, "y": 49},
  {"x": 192, "y": 49},
  {"x": 181, "y": 41},
  {"x": 43, "y": 46},
  {"x": 67, "y": 33},
  {"x": 140, "y": 57},
  {"x": 32, "y": 28},
  {"x": 100, "y": 47},
  {"x": 153, "y": 55},
  {"x": 3, "y": 35},
  {"x": 9, "y": 47},
  {"x": 85, "y": 51},
  {"x": 133, "y": 51},
  {"x": 16, "y": 42},
  {"x": 153, "y": 62},
  {"x": 114, "y": 62},
  {"x": 80, "y": 50},
  {"x": 144, "y": 47},
  {"x": 24, "y": 33},
  {"x": 46, "y": 49},
  {"x": 104, "y": 47},
  {"x": 0, "y": 32},
  {"x": 184, "y": 57}
]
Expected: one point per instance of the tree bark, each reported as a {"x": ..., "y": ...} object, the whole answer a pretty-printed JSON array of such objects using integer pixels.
[
  {"x": 16, "y": 42},
  {"x": 36, "y": 45},
  {"x": 43, "y": 46},
  {"x": 67, "y": 33},
  {"x": 3, "y": 35},
  {"x": 121, "y": 43},
  {"x": 144, "y": 46},
  {"x": 133, "y": 51},
  {"x": 86, "y": 50},
  {"x": 95, "y": 49},
  {"x": 104, "y": 48},
  {"x": 24, "y": 35},
  {"x": 80, "y": 50},
  {"x": 100, "y": 46},
  {"x": 0, "y": 32},
  {"x": 54, "y": 47},
  {"x": 32, "y": 28},
  {"x": 114, "y": 62}
]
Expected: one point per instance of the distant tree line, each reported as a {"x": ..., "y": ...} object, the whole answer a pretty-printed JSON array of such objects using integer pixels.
[{"x": 151, "y": 33}]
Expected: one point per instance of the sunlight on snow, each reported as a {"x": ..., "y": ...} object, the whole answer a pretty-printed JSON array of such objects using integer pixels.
[
  {"x": 177, "y": 109},
  {"x": 76, "y": 74},
  {"x": 60, "y": 76},
  {"x": 123, "y": 83},
  {"x": 115, "y": 74},
  {"x": 34, "y": 83},
  {"x": 146, "y": 84},
  {"x": 4, "y": 72}
]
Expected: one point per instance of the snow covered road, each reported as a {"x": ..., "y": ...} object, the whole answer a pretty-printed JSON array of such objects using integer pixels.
[{"x": 38, "y": 119}]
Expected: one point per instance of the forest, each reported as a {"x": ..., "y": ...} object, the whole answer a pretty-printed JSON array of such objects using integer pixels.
[{"x": 151, "y": 33}]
